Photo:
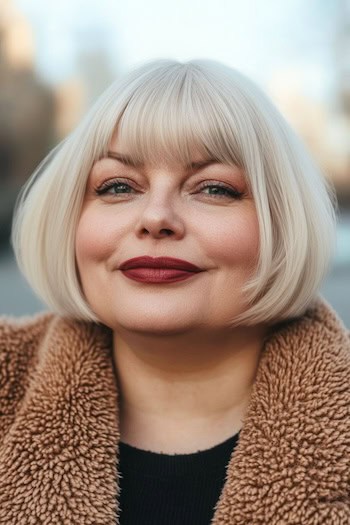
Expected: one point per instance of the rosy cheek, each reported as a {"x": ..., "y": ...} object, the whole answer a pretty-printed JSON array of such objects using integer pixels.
[
  {"x": 238, "y": 241},
  {"x": 249, "y": 234},
  {"x": 91, "y": 236}
]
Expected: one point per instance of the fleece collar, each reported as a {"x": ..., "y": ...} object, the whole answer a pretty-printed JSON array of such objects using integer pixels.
[{"x": 59, "y": 455}]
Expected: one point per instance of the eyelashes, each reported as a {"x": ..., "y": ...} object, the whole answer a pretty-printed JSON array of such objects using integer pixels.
[
  {"x": 220, "y": 190},
  {"x": 106, "y": 186},
  {"x": 227, "y": 191}
]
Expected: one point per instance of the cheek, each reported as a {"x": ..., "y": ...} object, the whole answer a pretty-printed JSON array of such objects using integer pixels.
[
  {"x": 94, "y": 239},
  {"x": 235, "y": 240}
]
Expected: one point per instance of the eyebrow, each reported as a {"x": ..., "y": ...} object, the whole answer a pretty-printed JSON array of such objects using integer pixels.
[{"x": 128, "y": 161}]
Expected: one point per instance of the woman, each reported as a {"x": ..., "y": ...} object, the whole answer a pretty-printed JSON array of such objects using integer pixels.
[{"x": 189, "y": 372}]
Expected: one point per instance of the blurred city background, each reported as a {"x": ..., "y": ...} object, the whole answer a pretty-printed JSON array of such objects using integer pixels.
[{"x": 57, "y": 57}]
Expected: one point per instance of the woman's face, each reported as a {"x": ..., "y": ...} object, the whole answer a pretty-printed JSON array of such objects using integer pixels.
[{"x": 203, "y": 215}]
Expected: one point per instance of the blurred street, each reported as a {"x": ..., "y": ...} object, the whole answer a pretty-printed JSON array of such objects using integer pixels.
[{"x": 16, "y": 298}]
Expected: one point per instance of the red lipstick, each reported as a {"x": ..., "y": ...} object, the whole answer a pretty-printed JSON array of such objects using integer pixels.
[{"x": 158, "y": 269}]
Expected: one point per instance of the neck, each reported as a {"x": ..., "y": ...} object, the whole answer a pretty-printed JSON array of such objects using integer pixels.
[{"x": 185, "y": 385}]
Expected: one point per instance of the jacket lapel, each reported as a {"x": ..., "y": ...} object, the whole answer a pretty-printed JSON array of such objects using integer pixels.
[
  {"x": 58, "y": 463},
  {"x": 292, "y": 462}
]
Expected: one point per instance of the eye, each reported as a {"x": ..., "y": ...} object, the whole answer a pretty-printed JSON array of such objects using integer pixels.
[
  {"x": 222, "y": 191},
  {"x": 113, "y": 187}
]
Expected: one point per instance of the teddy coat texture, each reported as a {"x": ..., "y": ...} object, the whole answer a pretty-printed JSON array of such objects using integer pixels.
[{"x": 59, "y": 428}]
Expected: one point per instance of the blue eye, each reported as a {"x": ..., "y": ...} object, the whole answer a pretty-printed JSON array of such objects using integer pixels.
[
  {"x": 223, "y": 191},
  {"x": 106, "y": 187},
  {"x": 220, "y": 190}
]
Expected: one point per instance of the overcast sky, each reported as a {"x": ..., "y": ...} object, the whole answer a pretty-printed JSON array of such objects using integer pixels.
[{"x": 255, "y": 36}]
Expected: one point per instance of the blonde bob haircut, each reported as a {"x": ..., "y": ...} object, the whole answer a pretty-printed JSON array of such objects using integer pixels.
[{"x": 165, "y": 109}]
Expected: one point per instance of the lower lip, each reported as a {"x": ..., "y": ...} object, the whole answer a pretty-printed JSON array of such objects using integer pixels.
[{"x": 157, "y": 275}]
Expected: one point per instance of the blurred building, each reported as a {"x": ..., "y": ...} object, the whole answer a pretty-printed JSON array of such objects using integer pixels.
[
  {"x": 27, "y": 111},
  {"x": 325, "y": 128},
  {"x": 342, "y": 70},
  {"x": 342, "y": 55}
]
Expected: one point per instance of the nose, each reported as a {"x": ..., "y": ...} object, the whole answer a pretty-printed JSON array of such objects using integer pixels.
[{"x": 158, "y": 217}]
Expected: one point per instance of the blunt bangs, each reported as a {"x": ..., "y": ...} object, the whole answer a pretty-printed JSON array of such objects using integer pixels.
[{"x": 178, "y": 112}]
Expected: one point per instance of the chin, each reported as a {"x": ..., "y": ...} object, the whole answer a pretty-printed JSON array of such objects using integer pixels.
[
  {"x": 156, "y": 327},
  {"x": 152, "y": 325}
]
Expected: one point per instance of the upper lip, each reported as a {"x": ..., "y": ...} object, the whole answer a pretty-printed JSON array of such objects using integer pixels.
[{"x": 159, "y": 262}]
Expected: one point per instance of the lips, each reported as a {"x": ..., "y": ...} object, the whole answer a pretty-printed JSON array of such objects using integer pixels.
[
  {"x": 159, "y": 262},
  {"x": 158, "y": 269}
]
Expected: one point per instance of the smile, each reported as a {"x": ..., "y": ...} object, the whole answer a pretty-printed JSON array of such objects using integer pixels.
[{"x": 158, "y": 275}]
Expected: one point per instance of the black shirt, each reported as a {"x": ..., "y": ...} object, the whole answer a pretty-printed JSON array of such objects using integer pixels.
[{"x": 179, "y": 489}]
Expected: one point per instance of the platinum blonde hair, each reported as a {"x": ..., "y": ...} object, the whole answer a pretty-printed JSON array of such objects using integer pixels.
[{"x": 166, "y": 109}]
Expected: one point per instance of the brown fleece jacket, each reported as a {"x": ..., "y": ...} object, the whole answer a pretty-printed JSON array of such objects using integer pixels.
[{"x": 59, "y": 426}]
